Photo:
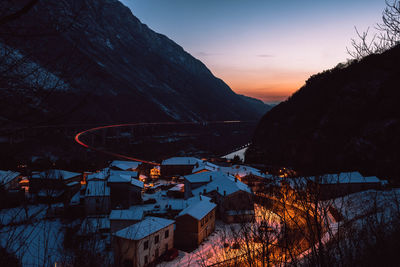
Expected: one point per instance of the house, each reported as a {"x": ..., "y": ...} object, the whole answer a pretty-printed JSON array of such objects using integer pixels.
[
  {"x": 125, "y": 165},
  {"x": 194, "y": 224},
  {"x": 97, "y": 198},
  {"x": 196, "y": 180},
  {"x": 177, "y": 191},
  {"x": 101, "y": 175},
  {"x": 9, "y": 180},
  {"x": 120, "y": 219},
  {"x": 179, "y": 166},
  {"x": 53, "y": 184},
  {"x": 125, "y": 190},
  {"x": 340, "y": 184},
  {"x": 165, "y": 206},
  {"x": 205, "y": 167},
  {"x": 155, "y": 172},
  {"x": 143, "y": 243},
  {"x": 234, "y": 198},
  {"x": 240, "y": 171}
]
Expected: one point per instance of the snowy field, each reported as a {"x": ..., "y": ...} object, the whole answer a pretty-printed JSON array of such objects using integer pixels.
[{"x": 240, "y": 153}]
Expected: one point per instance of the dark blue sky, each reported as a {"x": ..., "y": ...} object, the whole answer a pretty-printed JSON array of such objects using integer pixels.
[{"x": 265, "y": 49}]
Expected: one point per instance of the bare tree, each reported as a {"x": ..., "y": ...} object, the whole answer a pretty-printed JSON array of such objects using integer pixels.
[{"x": 387, "y": 34}]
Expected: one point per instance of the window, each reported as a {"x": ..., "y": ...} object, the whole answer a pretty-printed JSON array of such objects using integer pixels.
[
  {"x": 166, "y": 234},
  {"x": 156, "y": 239},
  {"x": 146, "y": 245},
  {"x": 146, "y": 259}
]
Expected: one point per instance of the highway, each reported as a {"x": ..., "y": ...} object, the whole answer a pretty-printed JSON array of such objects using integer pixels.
[{"x": 80, "y": 134}]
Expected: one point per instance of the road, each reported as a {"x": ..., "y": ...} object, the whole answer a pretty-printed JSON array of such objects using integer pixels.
[{"x": 81, "y": 134}]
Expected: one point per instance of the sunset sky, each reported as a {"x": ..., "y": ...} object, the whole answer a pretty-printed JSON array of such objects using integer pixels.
[{"x": 261, "y": 48}]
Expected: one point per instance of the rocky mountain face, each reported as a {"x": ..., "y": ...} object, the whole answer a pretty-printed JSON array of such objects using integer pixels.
[
  {"x": 113, "y": 68},
  {"x": 347, "y": 118}
]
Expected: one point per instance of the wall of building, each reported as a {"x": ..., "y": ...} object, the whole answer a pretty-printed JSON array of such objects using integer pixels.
[
  {"x": 190, "y": 232},
  {"x": 97, "y": 205},
  {"x": 171, "y": 170},
  {"x": 134, "y": 250}
]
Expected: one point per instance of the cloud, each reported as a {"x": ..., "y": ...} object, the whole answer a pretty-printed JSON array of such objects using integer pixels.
[
  {"x": 206, "y": 54},
  {"x": 265, "y": 55}
]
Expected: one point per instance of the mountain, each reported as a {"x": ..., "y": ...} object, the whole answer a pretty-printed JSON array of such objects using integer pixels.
[
  {"x": 113, "y": 68},
  {"x": 346, "y": 118}
]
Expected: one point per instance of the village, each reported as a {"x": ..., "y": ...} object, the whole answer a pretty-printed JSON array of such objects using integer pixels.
[{"x": 172, "y": 214}]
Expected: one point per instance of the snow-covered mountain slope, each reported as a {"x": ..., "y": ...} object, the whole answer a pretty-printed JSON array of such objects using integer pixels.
[{"x": 123, "y": 70}]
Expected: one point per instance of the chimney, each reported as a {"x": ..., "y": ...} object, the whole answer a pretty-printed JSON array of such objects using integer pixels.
[
  {"x": 200, "y": 197},
  {"x": 224, "y": 193},
  {"x": 204, "y": 191}
]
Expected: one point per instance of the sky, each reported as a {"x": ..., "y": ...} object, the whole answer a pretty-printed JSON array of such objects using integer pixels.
[{"x": 261, "y": 48}]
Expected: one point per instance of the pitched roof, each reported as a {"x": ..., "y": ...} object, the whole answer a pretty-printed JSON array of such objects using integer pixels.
[
  {"x": 55, "y": 174},
  {"x": 101, "y": 175},
  {"x": 132, "y": 174},
  {"x": 125, "y": 165},
  {"x": 241, "y": 170},
  {"x": 7, "y": 176},
  {"x": 135, "y": 215},
  {"x": 201, "y": 177},
  {"x": 198, "y": 209},
  {"x": 125, "y": 179},
  {"x": 223, "y": 184},
  {"x": 347, "y": 178},
  {"x": 206, "y": 166},
  {"x": 181, "y": 161},
  {"x": 144, "y": 228}
]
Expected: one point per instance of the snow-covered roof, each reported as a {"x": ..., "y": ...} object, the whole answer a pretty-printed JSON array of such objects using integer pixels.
[
  {"x": 125, "y": 179},
  {"x": 181, "y": 161},
  {"x": 198, "y": 209},
  {"x": 202, "y": 177},
  {"x": 7, "y": 176},
  {"x": 178, "y": 188},
  {"x": 132, "y": 174},
  {"x": 125, "y": 165},
  {"x": 144, "y": 228},
  {"x": 101, "y": 175},
  {"x": 241, "y": 170},
  {"x": 73, "y": 183},
  {"x": 55, "y": 174},
  {"x": 129, "y": 215},
  {"x": 97, "y": 189},
  {"x": 165, "y": 202},
  {"x": 205, "y": 166},
  {"x": 223, "y": 184},
  {"x": 347, "y": 178},
  {"x": 75, "y": 199},
  {"x": 137, "y": 183}
]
